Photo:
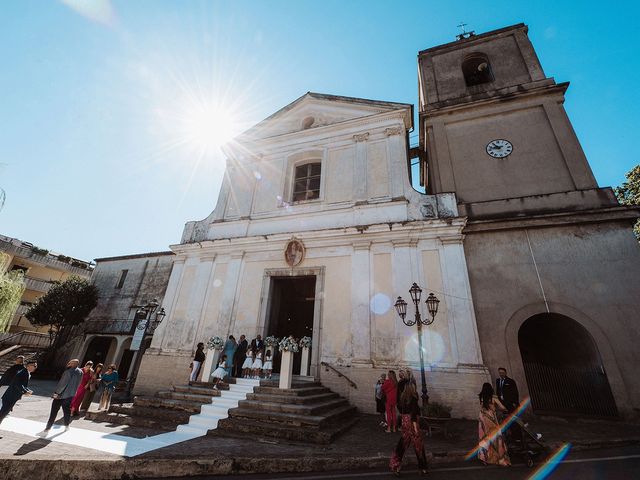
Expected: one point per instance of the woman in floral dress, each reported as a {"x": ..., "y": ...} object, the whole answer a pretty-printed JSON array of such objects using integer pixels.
[
  {"x": 492, "y": 447},
  {"x": 411, "y": 433}
]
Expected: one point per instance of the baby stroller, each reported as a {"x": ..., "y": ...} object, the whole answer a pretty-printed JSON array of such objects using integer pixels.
[{"x": 524, "y": 443}]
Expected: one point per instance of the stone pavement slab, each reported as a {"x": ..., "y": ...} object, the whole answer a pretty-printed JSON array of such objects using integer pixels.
[{"x": 366, "y": 445}]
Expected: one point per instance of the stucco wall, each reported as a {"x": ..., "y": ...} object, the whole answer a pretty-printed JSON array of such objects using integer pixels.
[{"x": 589, "y": 272}]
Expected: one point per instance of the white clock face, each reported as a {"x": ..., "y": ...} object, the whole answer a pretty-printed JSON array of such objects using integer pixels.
[{"x": 499, "y": 148}]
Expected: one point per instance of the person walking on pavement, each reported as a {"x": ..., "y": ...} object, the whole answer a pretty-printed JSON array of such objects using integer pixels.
[
  {"x": 17, "y": 388},
  {"x": 10, "y": 373},
  {"x": 63, "y": 395}
]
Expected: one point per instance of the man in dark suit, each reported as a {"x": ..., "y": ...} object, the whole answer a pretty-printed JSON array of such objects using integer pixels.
[
  {"x": 17, "y": 388},
  {"x": 257, "y": 344},
  {"x": 507, "y": 390},
  {"x": 240, "y": 356}
]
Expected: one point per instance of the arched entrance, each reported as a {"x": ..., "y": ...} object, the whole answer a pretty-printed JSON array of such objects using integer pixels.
[
  {"x": 563, "y": 367},
  {"x": 97, "y": 350}
]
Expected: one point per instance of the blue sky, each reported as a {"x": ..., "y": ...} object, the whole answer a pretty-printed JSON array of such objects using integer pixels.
[{"x": 96, "y": 158}]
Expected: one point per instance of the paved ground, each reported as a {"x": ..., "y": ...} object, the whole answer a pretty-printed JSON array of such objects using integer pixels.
[
  {"x": 365, "y": 444},
  {"x": 619, "y": 464}
]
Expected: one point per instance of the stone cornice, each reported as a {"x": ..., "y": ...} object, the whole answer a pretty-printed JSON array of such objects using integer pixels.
[
  {"x": 510, "y": 93},
  {"x": 400, "y": 234},
  {"x": 622, "y": 214},
  {"x": 361, "y": 137},
  {"x": 333, "y": 132}
]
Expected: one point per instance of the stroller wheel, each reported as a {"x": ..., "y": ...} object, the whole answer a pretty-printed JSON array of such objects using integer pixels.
[{"x": 529, "y": 461}]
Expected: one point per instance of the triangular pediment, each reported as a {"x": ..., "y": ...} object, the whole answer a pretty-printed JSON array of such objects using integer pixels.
[{"x": 314, "y": 110}]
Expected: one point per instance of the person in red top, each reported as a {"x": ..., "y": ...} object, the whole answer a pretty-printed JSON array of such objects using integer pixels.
[{"x": 390, "y": 389}]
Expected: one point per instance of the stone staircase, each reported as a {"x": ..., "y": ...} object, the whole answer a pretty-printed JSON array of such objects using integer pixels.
[
  {"x": 9, "y": 358},
  {"x": 189, "y": 408},
  {"x": 308, "y": 412}
]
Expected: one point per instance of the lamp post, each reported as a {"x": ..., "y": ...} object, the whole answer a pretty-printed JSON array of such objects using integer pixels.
[
  {"x": 144, "y": 326},
  {"x": 432, "y": 306}
]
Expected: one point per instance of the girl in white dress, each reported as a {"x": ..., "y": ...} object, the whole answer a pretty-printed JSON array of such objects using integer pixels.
[
  {"x": 257, "y": 364},
  {"x": 267, "y": 368},
  {"x": 248, "y": 364},
  {"x": 220, "y": 372}
]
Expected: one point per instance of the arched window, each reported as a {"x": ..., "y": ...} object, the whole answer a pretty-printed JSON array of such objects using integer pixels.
[
  {"x": 306, "y": 184},
  {"x": 477, "y": 69}
]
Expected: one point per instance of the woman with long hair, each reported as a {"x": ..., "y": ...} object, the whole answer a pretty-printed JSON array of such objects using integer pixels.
[
  {"x": 87, "y": 374},
  {"x": 493, "y": 448},
  {"x": 91, "y": 388},
  {"x": 411, "y": 433},
  {"x": 109, "y": 381},
  {"x": 390, "y": 389}
]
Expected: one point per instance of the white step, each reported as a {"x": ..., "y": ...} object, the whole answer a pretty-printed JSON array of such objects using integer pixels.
[
  {"x": 241, "y": 388},
  {"x": 192, "y": 430},
  {"x": 224, "y": 402},
  {"x": 211, "y": 414},
  {"x": 247, "y": 381},
  {"x": 205, "y": 421},
  {"x": 214, "y": 409},
  {"x": 230, "y": 394}
]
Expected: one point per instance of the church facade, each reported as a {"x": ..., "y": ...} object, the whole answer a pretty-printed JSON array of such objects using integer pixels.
[{"x": 317, "y": 230}]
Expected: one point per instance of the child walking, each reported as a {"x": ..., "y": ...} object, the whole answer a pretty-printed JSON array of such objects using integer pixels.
[
  {"x": 220, "y": 372},
  {"x": 248, "y": 364},
  {"x": 257, "y": 365},
  {"x": 267, "y": 368}
]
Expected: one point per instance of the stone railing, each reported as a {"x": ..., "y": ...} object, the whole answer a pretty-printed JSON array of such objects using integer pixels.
[
  {"x": 114, "y": 326},
  {"x": 36, "y": 284},
  {"x": 30, "y": 339}
]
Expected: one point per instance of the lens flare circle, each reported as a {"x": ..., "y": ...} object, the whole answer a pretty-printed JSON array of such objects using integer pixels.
[
  {"x": 380, "y": 304},
  {"x": 432, "y": 346}
]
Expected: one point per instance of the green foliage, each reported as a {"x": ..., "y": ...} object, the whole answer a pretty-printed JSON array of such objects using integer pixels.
[
  {"x": 40, "y": 251},
  {"x": 11, "y": 288},
  {"x": 66, "y": 304},
  {"x": 629, "y": 193}
]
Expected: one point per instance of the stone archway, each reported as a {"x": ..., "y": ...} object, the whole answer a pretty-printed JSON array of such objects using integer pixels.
[
  {"x": 98, "y": 349},
  {"x": 563, "y": 367}
]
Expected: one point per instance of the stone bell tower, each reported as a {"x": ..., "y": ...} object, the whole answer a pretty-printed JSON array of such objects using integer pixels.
[
  {"x": 494, "y": 127},
  {"x": 550, "y": 255}
]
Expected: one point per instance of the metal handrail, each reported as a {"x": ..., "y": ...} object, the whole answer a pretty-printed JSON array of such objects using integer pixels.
[{"x": 340, "y": 374}]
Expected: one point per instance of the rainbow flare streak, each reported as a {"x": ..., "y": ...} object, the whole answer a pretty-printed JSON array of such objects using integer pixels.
[
  {"x": 551, "y": 464},
  {"x": 506, "y": 423}
]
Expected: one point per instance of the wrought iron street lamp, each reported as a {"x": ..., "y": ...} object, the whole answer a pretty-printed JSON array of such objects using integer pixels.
[
  {"x": 146, "y": 325},
  {"x": 432, "y": 306}
]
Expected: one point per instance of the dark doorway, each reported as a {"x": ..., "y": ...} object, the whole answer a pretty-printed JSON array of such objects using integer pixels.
[
  {"x": 291, "y": 311},
  {"x": 97, "y": 350},
  {"x": 125, "y": 363},
  {"x": 563, "y": 367}
]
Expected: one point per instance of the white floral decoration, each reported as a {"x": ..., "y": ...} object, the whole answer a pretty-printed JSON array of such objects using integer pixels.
[
  {"x": 289, "y": 344},
  {"x": 305, "y": 342},
  {"x": 271, "y": 341},
  {"x": 215, "y": 343}
]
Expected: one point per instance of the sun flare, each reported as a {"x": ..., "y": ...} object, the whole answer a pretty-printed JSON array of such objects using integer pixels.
[{"x": 207, "y": 127}]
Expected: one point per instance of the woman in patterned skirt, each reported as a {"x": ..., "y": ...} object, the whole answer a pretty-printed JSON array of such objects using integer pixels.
[
  {"x": 493, "y": 449},
  {"x": 411, "y": 433}
]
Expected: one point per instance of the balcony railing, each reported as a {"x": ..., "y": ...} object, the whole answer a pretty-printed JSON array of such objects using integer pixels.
[
  {"x": 36, "y": 284},
  {"x": 109, "y": 326}
]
